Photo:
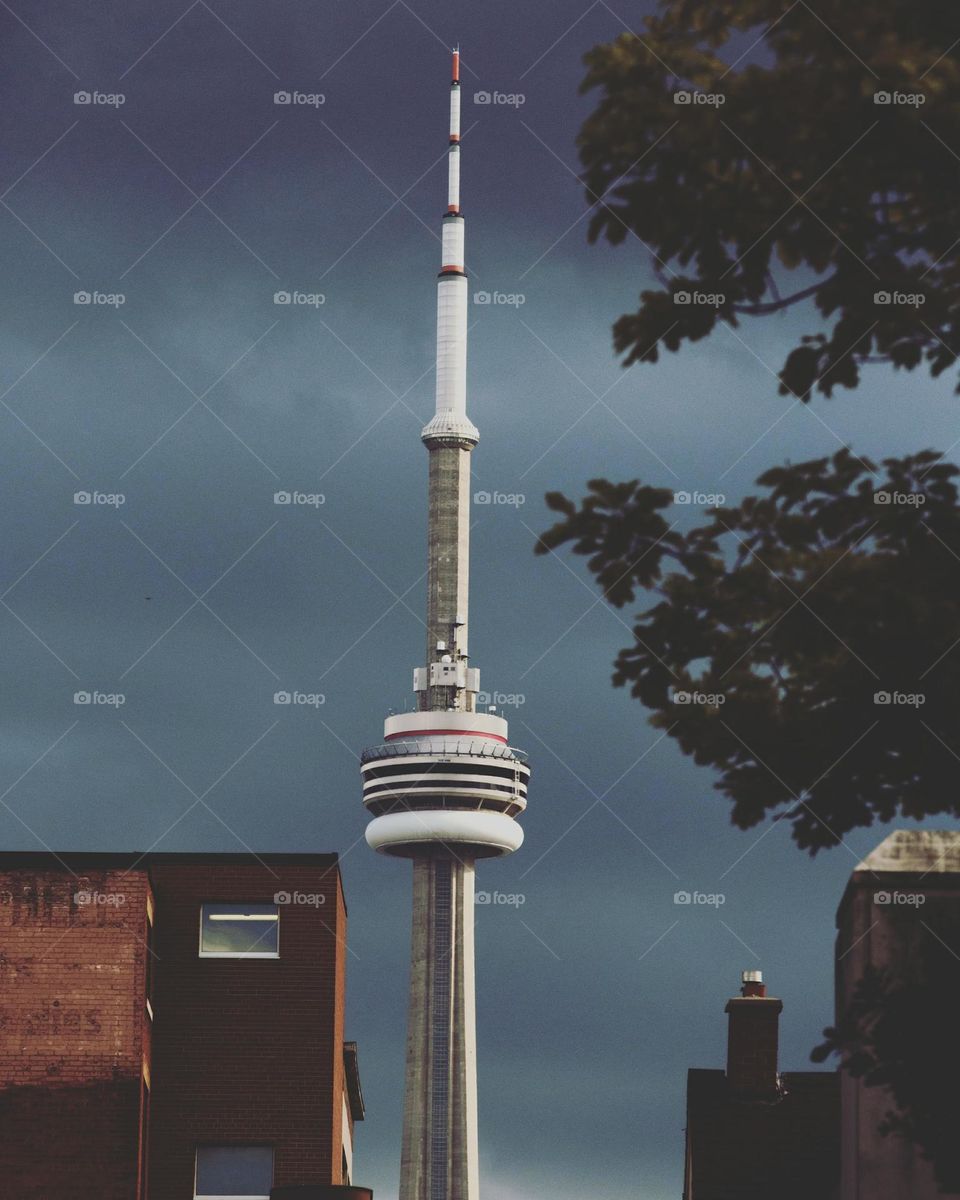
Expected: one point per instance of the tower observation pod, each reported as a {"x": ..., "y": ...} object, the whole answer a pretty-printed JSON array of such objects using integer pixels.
[{"x": 445, "y": 787}]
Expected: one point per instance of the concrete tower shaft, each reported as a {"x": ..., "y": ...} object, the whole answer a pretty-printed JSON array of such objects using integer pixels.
[
  {"x": 440, "y": 1154},
  {"x": 448, "y": 580}
]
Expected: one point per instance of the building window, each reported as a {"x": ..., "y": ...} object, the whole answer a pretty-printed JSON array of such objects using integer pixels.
[
  {"x": 239, "y": 931},
  {"x": 234, "y": 1173}
]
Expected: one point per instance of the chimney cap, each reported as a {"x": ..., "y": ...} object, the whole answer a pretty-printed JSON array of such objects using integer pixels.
[{"x": 751, "y": 977}]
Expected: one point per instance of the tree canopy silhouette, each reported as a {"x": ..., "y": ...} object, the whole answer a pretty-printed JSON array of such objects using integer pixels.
[
  {"x": 803, "y": 643},
  {"x": 821, "y": 146}
]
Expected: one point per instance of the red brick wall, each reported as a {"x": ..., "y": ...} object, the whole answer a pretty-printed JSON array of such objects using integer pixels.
[
  {"x": 72, "y": 1032},
  {"x": 752, "y": 1045},
  {"x": 247, "y": 1050}
]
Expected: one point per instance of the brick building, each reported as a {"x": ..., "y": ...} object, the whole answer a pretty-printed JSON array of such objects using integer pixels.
[
  {"x": 172, "y": 1026},
  {"x": 898, "y": 916},
  {"x": 752, "y": 1132}
]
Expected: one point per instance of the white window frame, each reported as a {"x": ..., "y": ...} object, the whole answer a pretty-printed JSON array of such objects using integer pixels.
[
  {"x": 237, "y": 954},
  {"x": 218, "y": 1195}
]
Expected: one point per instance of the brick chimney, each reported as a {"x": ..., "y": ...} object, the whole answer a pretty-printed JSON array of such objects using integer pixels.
[{"x": 752, "y": 1040}]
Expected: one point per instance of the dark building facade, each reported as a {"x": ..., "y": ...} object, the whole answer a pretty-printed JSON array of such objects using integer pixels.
[
  {"x": 898, "y": 920},
  {"x": 753, "y": 1133},
  {"x": 172, "y": 1027}
]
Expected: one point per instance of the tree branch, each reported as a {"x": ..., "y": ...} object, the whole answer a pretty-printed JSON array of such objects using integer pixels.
[{"x": 781, "y": 302}]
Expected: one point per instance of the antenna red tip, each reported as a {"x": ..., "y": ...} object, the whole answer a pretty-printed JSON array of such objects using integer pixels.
[{"x": 456, "y": 66}]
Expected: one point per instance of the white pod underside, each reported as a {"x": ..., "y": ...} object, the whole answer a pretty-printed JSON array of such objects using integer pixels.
[{"x": 490, "y": 834}]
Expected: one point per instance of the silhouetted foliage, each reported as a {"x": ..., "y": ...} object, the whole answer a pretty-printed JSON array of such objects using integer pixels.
[
  {"x": 798, "y": 611},
  {"x": 806, "y": 643},
  {"x": 793, "y": 167}
]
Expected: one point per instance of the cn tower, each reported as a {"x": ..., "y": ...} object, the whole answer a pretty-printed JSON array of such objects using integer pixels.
[{"x": 445, "y": 787}]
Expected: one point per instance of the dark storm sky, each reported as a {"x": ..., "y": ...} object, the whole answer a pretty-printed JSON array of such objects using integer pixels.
[{"x": 199, "y": 598}]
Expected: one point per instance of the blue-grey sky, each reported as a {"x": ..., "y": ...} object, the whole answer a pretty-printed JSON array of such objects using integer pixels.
[{"x": 197, "y": 598}]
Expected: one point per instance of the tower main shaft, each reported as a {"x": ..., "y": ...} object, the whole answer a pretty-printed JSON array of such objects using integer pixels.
[
  {"x": 445, "y": 787},
  {"x": 440, "y": 1154}
]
